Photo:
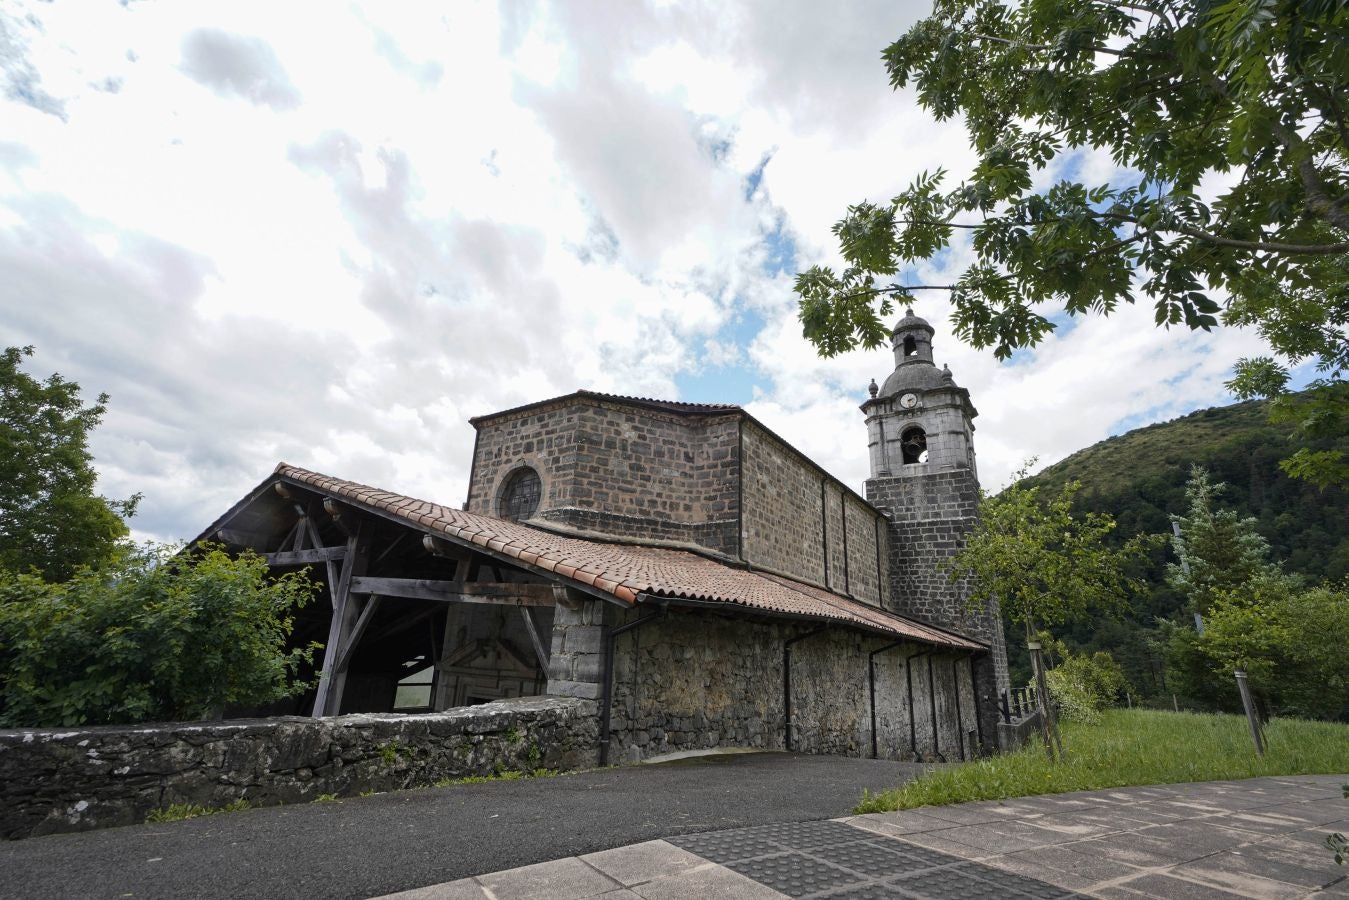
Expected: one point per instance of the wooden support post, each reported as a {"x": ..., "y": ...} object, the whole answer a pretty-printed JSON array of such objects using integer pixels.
[
  {"x": 357, "y": 630},
  {"x": 328, "y": 701},
  {"x": 1047, "y": 723},
  {"x": 534, "y": 638},
  {"x": 1251, "y": 718}
]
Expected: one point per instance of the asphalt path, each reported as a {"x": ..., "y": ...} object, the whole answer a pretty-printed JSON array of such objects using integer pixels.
[{"x": 366, "y": 846}]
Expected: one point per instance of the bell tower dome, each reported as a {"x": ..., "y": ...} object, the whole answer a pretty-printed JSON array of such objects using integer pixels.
[{"x": 919, "y": 422}]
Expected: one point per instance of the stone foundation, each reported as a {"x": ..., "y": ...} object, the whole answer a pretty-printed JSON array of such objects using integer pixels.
[{"x": 79, "y": 779}]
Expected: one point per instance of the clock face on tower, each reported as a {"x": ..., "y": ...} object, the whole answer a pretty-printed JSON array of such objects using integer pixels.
[{"x": 908, "y": 401}]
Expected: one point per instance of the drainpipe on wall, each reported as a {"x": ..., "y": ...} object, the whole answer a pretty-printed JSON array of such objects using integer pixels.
[
  {"x": 913, "y": 716},
  {"x": 787, "y": 685},
  {"x": 606, "y": 707},
  {"x": 978, "y": 713},
  {"x": 932, "y": 701},
  {"x": 871, "y": 681},
  {"x": 960, "y": 725}
]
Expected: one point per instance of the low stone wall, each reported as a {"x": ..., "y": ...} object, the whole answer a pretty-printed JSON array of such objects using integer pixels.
[{"x": 77, "y": 779}]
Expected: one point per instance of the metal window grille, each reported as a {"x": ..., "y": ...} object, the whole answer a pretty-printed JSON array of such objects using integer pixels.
[{"x": 521, "y": 497}]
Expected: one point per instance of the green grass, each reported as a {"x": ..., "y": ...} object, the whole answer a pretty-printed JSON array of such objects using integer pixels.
[
  {"x": 509, "y": 775},
  {"x": 177, "y": 811},
  {"x": 1132, "y": 747}
]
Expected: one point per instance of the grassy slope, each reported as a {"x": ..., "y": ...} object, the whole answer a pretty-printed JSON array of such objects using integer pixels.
[
  {"x": 1139, "y": 477},
  {"x": 1133, "y": 747}
]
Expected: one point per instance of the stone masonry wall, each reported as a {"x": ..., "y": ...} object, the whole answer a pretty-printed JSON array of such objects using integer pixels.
[
  {"x": 865, "y": 571},
  {"x": 543, "y": 438},
  {"x": 83, "y": 778},
  {"x": 781, "y": 521},
  {"x": 792, "y": 520},
  {"x": 616, "y": 469},
  {"x": 929, "y": 516},
  {"x": 695, "y": 680},
  {"x": 619, "y": 469}
]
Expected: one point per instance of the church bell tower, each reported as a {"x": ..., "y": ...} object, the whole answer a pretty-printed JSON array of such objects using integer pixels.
[{"x": 920, "y": 434}]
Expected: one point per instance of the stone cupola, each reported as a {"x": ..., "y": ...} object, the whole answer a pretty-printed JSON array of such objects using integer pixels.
[
  {"x": 919, "y": 421},
  {"x": 912, "y": 340}
]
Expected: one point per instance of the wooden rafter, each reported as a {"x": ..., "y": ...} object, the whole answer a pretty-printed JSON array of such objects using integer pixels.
[
  {"x": 238, "y": 538},
  {"x": 499, "y": 592},
  {"x": 305, "y": 557}
]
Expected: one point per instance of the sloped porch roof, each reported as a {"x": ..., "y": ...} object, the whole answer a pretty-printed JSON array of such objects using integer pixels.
[{"x": 626, "y": 573}]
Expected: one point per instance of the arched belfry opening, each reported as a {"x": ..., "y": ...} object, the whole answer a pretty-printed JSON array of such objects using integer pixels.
[
  {"x": 910, "y": 347},
  {"x": 913, "y": 445},
  {"x": 520, "y": 495}
]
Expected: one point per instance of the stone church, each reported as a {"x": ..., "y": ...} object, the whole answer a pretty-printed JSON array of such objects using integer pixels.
[{"x": 699, "y": 579}]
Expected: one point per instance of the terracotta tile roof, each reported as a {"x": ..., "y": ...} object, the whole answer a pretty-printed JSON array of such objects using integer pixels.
[
  {"x": 675, "y": 406},
  {"x": 623, "y": 571}
]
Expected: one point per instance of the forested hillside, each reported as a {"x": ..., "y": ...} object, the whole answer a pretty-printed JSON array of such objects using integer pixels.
[{"x": 1139, "y": 478}]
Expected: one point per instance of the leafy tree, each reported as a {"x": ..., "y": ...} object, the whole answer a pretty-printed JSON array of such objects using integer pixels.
[
  {"x": 152, "y": 635},
  {"x": 1043, "y": 564},
  {"x": 1319, "y": 413},
  {"x": 1226, "y": 122},
  {"x": 1290, "y": 643},
  {"x": 1289, "y": 639},
  {"x": 51, "y": 521},
  {"x": 1218, "y": 551}
]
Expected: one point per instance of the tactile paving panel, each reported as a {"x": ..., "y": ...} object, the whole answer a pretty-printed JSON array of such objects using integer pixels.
[
  {"x": 956, "y": 883},
  {"x": 832, "y": 860},
  {"x": 869, "y": 892},
  {"x": 796, "y": 874},
  {"x": 1024, "y": 886},
  {"x": 727, "y": 846},
  {"x": 884, "y": 861},
  {"x": 807, "y": 835}
]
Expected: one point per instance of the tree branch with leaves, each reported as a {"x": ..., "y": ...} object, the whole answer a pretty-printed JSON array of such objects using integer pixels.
[{"x": 1182, "y": 96}]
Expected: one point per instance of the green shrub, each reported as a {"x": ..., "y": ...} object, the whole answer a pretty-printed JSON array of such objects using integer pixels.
[
  {"x": 151, "y": 636},
  {"x": 1082, "y": 686}
]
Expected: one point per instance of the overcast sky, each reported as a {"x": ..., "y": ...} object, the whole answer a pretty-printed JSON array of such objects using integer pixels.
[{"x": 330, "y": 233}]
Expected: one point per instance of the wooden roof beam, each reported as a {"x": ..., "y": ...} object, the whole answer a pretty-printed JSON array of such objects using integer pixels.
[{"x": 504, "y": 593}]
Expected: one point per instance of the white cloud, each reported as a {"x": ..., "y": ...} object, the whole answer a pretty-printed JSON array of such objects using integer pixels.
[
  {"x": 234, "y": 65},
  {"x": 266, "y": 243}
]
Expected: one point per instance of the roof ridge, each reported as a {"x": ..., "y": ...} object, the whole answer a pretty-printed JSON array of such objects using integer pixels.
[{"x": 674, "y": 406}]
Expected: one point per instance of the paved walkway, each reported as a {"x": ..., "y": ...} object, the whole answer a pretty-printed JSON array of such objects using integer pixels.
[
  {"x": 365, "y": 846},
  {"x": 1260, "y": 838}
]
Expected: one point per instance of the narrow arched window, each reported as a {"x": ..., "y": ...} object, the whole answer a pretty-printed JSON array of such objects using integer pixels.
[
  {"x": 913, "y": 444},
  {"x": 520, "y": 496},
  {"x": 910, "y": 347}
]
